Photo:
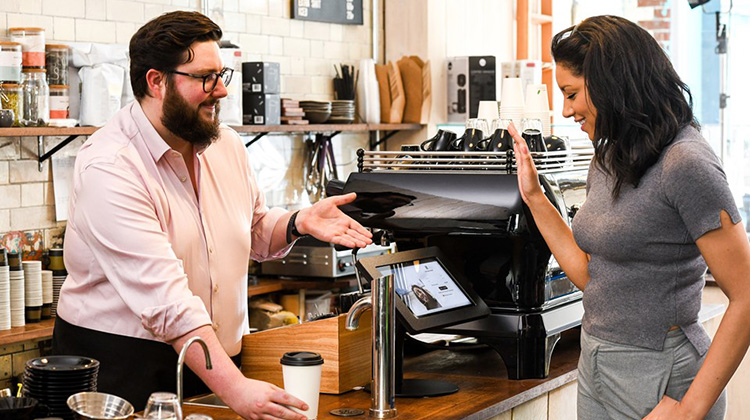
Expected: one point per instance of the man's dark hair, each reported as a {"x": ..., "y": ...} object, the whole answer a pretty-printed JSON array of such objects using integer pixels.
[
  {"x": 164, "y": 43},
  {"x": 641, "y": 102}
]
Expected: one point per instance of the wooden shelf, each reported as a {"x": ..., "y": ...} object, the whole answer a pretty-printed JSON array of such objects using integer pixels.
[
  {"x": 266, "y": 285},
  {"x": 87, "y": 131},
  {"x": 28, "y": 332}
]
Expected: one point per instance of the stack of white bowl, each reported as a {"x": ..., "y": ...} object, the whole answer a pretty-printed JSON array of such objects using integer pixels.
[
  {"x": 511, "y": 102},
  {"x": 47, "y": 293},
  {"x": 32, "y": 271},
  {"x": 537, "y": 106},
  {"x": 4, "y": 295},
  {"x": 17, "y": 292}
]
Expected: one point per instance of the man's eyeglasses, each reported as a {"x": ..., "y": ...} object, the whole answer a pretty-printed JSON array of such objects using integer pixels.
[{"x": 211, "y": 79}]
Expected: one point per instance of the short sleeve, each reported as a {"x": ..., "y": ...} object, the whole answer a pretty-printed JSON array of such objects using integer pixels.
[{"x": 696, "y": 186}]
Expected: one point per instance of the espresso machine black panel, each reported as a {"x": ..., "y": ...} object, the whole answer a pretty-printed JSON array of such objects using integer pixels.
[{"x": 469, "y": 206}]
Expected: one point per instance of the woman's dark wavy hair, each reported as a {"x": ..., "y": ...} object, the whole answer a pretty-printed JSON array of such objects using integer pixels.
[
  {"x": 164, "y": 43},
  {"x": 640, "y": 101}
]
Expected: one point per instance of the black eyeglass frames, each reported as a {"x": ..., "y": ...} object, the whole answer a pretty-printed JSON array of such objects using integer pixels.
[{"x": 211, "y": 79}]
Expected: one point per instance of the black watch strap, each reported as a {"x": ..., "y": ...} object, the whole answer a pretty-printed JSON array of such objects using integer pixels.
[{"x": 291, "y": 228}]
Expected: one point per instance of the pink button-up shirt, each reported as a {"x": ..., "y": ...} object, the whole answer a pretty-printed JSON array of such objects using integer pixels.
[{"x": 146, "y": 255}]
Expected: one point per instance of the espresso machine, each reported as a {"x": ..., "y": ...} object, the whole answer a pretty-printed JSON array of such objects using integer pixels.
[{"x": 468, "y": 205}]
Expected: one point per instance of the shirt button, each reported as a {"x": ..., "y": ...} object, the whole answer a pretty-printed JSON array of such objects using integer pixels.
[
  {"x": 215, "y": 326},
  {"x": 210, "y": 250},
  {"x": 183, "y": 178},
  {"x": 216, "y": 288}
]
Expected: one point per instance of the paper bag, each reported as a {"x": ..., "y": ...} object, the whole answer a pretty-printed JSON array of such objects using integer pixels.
[
  {"x": 381, "y": 73},
  {"x": 398, "y": 98},
  {"x": 417, "y": 82}
]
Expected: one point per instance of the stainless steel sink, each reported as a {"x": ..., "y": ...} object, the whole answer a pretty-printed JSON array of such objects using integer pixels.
[{"x": 208, "y": 400}]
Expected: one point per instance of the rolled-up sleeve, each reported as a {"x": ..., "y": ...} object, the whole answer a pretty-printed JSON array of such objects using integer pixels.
[{"x": 116, "y": 216}]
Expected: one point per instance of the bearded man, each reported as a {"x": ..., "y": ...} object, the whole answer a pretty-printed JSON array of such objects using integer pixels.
[{"x": 164, "y": 215}]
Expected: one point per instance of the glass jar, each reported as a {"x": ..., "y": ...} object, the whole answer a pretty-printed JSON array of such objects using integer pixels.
[
  {"x": 35, "y": 98},
  {"x": 32, "y": 41},
  {"x": 57, "y": 57},
  {"x": 59, "y": 102},
  {"x": 10, "y": 62},
  {"x": 11, "y": 97}
]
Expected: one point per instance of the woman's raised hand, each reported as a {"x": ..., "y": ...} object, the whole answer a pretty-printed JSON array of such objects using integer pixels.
[{"x": 528, "y": 179}]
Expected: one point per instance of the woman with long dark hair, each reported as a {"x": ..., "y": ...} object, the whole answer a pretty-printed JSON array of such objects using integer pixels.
[{"x": 658, "y": 211}]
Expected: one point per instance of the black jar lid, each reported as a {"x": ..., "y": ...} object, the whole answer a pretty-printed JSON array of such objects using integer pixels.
[
  {"x": 3, "y": 257},
  {"x": 302, "y": 358},
  {"x": 14, "y": 261}
]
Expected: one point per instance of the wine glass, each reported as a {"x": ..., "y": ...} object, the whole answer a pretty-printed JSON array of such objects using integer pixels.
[{"x": 162, "y": 406}]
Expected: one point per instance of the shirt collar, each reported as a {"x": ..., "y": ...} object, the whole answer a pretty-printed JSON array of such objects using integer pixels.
[{"x": 155, "y": 144}]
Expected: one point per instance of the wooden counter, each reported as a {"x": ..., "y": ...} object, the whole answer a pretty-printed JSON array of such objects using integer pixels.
[{"x": 480, "y": 375}]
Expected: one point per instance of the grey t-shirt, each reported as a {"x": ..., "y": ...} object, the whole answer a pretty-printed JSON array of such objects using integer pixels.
[{"x": 646, "y": 272}]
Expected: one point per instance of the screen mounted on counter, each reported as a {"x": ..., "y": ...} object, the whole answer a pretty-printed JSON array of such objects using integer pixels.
[{"x": 431, "y": 294}]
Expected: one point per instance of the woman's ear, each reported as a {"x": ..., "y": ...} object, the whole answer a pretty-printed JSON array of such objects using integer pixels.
[{"x": 157, "y": 83}]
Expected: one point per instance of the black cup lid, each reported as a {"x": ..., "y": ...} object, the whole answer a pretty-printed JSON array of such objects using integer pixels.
[
  {"x": 14, "y": 261},
  {"x": 3, "y": 257},
  {"x": 301, "y": 358}
]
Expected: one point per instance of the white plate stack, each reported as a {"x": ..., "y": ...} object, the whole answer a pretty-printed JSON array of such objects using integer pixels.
[
  {"x": 47, "y": 293},
  {"x": 4, "y": 291},
  {"x": 57, "y": 282},
  {"x": 32, "y": 271},
  {"x": 17, "y": 292},
  {"x": 57, "y": 265}
]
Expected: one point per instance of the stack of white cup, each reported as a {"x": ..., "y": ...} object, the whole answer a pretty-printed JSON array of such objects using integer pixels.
[
  {"x": 17, "y": 299},
  {"x": 511, "y": 102},
  {"x": 4, "y": 297},
  {"x": 537, "y": 106},
  {"x": 47, "y": 288},
  {"x": 32, "y": 272}
]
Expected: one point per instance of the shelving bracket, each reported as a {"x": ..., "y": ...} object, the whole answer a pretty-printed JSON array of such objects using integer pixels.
[{"x": 45, "y": 156}]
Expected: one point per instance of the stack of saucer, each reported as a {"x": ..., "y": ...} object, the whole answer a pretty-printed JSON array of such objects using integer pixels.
[
  {"x": 53, "y": 379},
  {"x": 17, "y": 292},
  {"x": 317, "y": 112},
  {"x": 32, "y": 272},
  {"x": 4, "y": 291},
  {"x": 342, "y": 112}
]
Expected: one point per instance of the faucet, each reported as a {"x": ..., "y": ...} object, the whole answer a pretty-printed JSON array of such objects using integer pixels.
[
  {"x": 383, "y": 385},
  {"x": 181, "y": 362}
]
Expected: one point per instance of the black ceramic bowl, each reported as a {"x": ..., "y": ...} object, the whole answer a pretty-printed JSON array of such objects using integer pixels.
[{"x": 12, "y": 408}]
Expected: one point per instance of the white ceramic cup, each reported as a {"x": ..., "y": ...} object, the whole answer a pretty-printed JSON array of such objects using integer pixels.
[{"x": 301, "y": 371}]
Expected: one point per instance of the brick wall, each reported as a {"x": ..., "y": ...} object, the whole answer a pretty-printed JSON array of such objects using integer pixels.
[
  {"x": 655, "y": 17},
  {"x": 307, "y": 52}
]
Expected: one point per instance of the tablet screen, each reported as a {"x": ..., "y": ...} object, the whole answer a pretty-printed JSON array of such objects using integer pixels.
[{"x": 425, "y": 287}]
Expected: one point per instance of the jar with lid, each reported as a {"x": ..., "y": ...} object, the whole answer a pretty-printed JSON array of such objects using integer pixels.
[
  {"x": 10, "y": 62},
  {"x": 59, "y": 102},
  {"x": 35, "y": 98},
  {"x": 57, "y": 57},
  {"x": 11, "y": 97},
  {"x": 32, "y": 42}
]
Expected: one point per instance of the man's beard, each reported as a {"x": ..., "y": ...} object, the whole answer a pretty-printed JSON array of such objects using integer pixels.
[{"x": 186, "y": 122}]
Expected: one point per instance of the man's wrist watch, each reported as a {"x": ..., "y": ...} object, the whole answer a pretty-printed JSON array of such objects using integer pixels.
[{"x": 291, "y": 228}]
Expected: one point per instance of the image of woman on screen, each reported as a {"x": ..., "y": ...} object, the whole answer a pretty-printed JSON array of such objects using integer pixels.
[{"x": 425, "y": 297}]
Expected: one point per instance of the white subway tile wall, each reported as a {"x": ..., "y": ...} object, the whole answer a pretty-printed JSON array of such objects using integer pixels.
[{"x": 306, "y": 51}]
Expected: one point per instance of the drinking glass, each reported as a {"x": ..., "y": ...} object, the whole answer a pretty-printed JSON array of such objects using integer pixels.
[
  {"x": 475, "y": 129},
  {"x": 501, "y": 138},
  {"x": 162, "y": 406},
  {"x": 532, "y": 133}
]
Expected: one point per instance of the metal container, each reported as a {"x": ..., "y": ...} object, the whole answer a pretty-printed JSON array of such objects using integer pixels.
[{"x": 99, "y": 406}]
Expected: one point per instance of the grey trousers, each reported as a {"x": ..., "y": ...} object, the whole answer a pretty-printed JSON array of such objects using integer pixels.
[{"x": 619, "y": 382}]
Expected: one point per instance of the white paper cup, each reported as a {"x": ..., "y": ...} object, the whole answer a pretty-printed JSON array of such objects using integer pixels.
[
  {"x": 488, "y": 110},
  {"x": 536, "y": 98},
  {"x": 512, "y": 93},
  {"x": 301, "y": 371}
]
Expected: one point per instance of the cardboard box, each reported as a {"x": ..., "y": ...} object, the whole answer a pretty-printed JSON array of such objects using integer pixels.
[
  {"x": 261, "y": 77},
  {"x": 470, "y": 80},
  {"x": 347, "y": 355},
  {"x": 261, "y": 109}
]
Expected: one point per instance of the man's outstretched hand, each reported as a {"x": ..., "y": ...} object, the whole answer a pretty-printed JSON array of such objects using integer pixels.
[{"x": 326, "y": 222}]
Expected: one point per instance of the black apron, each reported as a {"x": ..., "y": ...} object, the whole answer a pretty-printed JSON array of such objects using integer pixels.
[{"x": 131, "y": 368}]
